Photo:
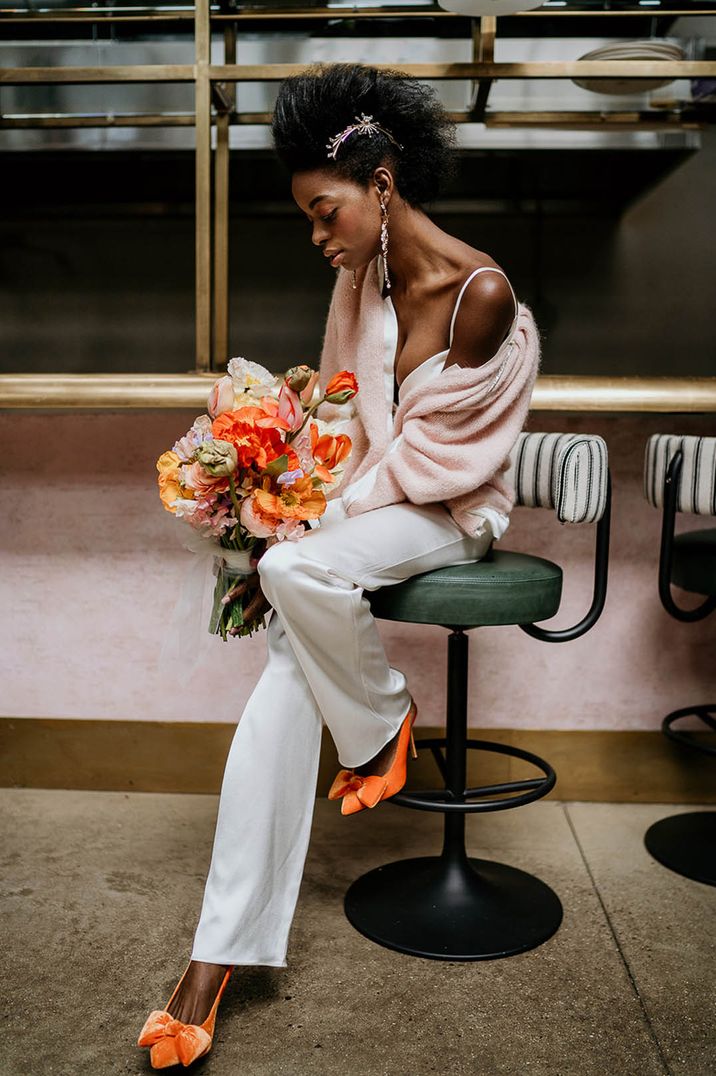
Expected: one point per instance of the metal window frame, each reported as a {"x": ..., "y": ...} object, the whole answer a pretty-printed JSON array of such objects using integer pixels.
[{"x": 215, "y": 84}]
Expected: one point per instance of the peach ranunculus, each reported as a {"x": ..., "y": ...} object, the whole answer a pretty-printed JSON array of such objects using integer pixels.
[
  {"x": 254, "y": 434},
  {"x": 297, "y": 500},
  {"x": 255, "y": 521},
  {"x": 341, "y": 388},
  {"x": 196, "y": 478},
  {"x": 221, "y": 397},
  {"x": 170, "y": 489},
  {"x": 329, "y": 452}
]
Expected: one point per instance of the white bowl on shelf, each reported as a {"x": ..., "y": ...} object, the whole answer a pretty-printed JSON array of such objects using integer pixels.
[
  {"x": 476, "y": 8},
  {"x": 630, "y": 50}
]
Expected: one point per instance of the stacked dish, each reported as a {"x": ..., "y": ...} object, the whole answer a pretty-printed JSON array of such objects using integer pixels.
[
  {"x": 630, "y": 50},
  {"x": 475, "y": 8}
]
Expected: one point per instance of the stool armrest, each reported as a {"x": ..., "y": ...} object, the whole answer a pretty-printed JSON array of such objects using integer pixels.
[
  {"x": 666, "y": 554},
  {"x": 599, "y": 597}
]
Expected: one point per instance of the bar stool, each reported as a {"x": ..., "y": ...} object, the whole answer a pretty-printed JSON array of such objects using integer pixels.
[
  {"x": 451, "y": 906},
  {"x": 680, "y": 476}
]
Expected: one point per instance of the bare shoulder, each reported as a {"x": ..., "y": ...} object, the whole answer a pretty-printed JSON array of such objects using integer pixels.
[{"x": 484, "y": 316}]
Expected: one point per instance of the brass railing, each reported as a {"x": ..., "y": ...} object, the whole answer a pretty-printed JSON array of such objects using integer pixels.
[{"x": 564, "y": 392}]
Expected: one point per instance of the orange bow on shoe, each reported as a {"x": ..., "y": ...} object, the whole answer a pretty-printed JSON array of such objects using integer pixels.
[
  {"x": 358, "y": 791},
  {"x": 172, "y": 1041}
]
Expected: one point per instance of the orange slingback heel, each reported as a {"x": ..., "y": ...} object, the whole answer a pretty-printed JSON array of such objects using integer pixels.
[
  {"x": 359, "y": 792},
  {"x": 173, "y": 1043}
]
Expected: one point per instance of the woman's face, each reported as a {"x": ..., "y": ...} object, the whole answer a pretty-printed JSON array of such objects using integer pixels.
[{"x": 345, "y": 217}]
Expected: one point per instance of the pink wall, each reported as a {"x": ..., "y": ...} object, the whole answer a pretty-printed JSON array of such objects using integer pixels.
[{"x": 91, "y": 564}]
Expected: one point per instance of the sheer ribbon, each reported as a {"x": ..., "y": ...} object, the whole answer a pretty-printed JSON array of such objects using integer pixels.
[{"x": 187, "y": 636}]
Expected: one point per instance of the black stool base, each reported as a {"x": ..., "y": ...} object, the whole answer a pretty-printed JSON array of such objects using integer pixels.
[
  {"x": 686, "y": 844},
  {"x": 472, "y": 909}
]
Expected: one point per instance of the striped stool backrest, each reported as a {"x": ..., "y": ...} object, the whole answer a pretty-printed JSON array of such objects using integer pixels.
[
  {"x": 697, "y": 486},
  {"x": 564, "y": 471}
]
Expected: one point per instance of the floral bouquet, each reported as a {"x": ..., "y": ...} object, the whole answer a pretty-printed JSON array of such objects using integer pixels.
[{"x": 252, "y": 472}]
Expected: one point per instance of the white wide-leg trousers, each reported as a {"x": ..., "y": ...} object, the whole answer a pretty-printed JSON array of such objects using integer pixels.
[{"x": 325, "y": 663}]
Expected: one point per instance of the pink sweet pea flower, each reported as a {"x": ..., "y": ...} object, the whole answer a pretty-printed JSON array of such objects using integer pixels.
[
  {"x": 292, "y": 529},
  {"x": 301, "y": 445}
]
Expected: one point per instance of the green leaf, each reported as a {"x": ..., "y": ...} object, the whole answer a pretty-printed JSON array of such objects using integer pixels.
[{"x": 277, "y": 466}]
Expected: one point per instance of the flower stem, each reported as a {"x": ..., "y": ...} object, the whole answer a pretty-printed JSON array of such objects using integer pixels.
[
  {"x": 237, "y": 509},
  {"x": 306, "y": 417}
]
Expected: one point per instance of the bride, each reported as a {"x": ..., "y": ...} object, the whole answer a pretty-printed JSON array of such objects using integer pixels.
[{"x": 445, "y": 359}]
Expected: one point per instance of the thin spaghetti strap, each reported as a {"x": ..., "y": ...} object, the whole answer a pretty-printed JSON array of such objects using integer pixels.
[{"x": 482, "y": 269}]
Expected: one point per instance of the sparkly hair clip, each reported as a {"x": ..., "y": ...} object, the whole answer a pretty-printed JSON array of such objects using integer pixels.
[{"x": 364, "y": 125}]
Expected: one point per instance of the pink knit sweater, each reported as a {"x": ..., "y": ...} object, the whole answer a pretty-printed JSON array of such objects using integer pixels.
[{"x": 458, "y": 429}]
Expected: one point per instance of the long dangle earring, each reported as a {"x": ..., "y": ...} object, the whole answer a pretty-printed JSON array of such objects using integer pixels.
[
  {"x": 354, "y": 280},
  {"x": 384, "y": 242}
]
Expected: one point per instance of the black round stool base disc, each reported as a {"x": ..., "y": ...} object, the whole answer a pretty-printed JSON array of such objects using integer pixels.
[
  {"x": 686, "y": 844},
  {"x": 445, "y": 910}
]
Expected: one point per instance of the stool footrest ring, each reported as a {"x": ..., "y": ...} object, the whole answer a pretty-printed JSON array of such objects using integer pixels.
[
  {"x": 704, "y": 713},
  {"x": 446, "y": 801}
]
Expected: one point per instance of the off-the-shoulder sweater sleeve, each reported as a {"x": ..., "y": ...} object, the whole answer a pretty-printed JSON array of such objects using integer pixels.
[{"x": 457, "y": 433}]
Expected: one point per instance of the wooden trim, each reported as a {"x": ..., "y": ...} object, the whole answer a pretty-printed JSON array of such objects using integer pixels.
[
  {"x": 547, "y": 69},
  {"x": 80, "y": 15},
  {"x": 161, "y": 756},
  {"x": 321, "y": 14},
  {"x": 49, "y": 76},
  {"x": 277, "y": 72}
]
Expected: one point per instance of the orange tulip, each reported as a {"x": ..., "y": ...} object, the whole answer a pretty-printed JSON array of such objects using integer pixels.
[
  {"x": 342, "y": 387},
  {"x": 328, "y": 451}
]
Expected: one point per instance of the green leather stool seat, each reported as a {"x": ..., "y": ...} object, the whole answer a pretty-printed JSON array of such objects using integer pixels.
[
  {"x": 694, "y": 562},
  {"x": 507, "y": 588}
]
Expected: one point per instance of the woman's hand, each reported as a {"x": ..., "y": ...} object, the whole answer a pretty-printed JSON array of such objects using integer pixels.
[
  {"x": 248, "y": 590},
  {"x": 258, "y": 603}
]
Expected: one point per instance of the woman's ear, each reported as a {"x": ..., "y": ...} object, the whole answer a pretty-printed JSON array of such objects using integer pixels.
[{"x": 383, "y": 182}]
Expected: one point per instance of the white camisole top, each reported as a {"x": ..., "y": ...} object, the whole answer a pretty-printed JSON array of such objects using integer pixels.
[{"x": 423, "y": 373}]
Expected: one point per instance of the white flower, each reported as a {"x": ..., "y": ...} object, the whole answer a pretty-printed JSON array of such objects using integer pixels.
[{"x": 251, "y": 378}]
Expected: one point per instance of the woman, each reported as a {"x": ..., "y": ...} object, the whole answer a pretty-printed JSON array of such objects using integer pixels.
[{"x": 423, "y": 489}]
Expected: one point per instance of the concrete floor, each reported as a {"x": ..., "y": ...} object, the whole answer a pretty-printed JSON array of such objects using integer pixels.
[{"x": 100, "y": 893}]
